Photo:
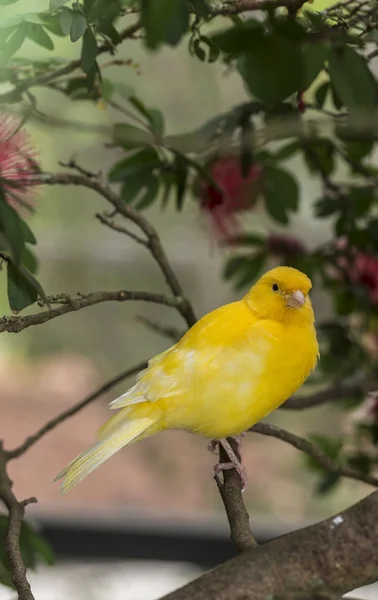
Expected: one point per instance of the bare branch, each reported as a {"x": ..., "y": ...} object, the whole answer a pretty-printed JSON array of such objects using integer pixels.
[
  {"x": 70, "y": 412},
  {"x": 69, "y": 304},
  {"x": 231, "y": 494},
  {"x": 112, "y": 225},
  {"x": 154, "y": 243},
  {"x": 16, "y": 511},
  {"x": 311, "y": 450},
  {"x": 341, "y": 391},
  {"x": 319, "y": 561},
  {"x": 234, "y": 7},
  {"x": 172, "y": 333}
]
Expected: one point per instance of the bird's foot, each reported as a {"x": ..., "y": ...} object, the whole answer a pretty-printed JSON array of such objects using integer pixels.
[
  {"x": 214, "y": 444},
  {"x": 234, "y": 463}
]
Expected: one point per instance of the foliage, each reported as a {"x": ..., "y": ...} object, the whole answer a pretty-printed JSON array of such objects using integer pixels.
[{"x": 312, "y": 97}]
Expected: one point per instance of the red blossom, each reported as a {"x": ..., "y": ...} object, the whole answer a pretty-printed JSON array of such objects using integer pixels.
[
  {"x": 18, "y": 164},
  {"x": 235, "y": 194},
  {"x": 361, "y": 269}
]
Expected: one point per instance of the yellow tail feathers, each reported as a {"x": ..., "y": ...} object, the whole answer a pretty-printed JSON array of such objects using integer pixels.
[{"x": 118, "y": 433}]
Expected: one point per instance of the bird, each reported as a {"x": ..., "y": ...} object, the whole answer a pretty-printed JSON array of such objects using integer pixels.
[{"x": 231, "y": 369}]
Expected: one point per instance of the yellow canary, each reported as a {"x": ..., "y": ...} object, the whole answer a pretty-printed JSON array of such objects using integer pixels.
[{"x": 231, "y": 369}]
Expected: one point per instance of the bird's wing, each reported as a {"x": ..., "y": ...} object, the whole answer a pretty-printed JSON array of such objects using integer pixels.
[{"x": 227, "y": 333}]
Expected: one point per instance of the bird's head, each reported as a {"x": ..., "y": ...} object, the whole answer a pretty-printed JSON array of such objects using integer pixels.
[{"x": 282, "y": 294}]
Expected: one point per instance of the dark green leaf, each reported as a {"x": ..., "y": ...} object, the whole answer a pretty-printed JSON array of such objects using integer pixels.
[
  {"x": 362, "y": 199},
  {"x": 319, "y": 156},
  {"x": 133, "y": 186},
  {"x": 149, "y": 196},
  {"x": 314, "y": 58},
  {"x": 38, "y": 34},
  {"x": 360, "y": 461},
  {"x": 325, "y": 207},
  {"x": 273, "y": 69},
  {"x": 181, "y": 170},
  {"x": 146, "y": 159},
  {"x": 352, "y": 78},
  {"x": 12, "y": 228},
  {"x": 247, "y": 239},
  {"x": 240, "y": 38},
  {"x": 280, "y": 192},
  {"x": 328, "y": 482},
  {"x": 128, "y": 136},
  {"x": 78, "y": 26},
  {"x": 88, "y": 50},
  {"x": 201, "y": 8},
  {"x": 244, "y": 269},
  {"x": 52, "y": 24},
  {"x": 23, "y": 288},
  {"x": 358, "y": 149},
  {"x": 199, "y": 51},
  {"x": 246, "y": 156},
  {"x": 321, "y": 94},
  {"x": 213, "y": 50},
  {"x": 157, "y": 122},
  {"x": 107, "y": 89},
  {"x": 288, "y": 150},
  {"x": 29, "y": 261},
  {"x": 163, "y": 19},
  {"x": 54, "y": 4},
  {"x": 65, "y": 20},
  {"x": 336, "y": 99}
]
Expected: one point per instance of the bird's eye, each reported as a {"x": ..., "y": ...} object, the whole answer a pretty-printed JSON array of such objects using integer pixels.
[{"x": 275, "y": 287}]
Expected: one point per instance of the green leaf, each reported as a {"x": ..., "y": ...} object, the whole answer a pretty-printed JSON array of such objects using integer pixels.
[
  {"x": 54, "y": 4},
  {"x": 319, "y": 156},
  {"x": 146, "y": 159},
  {"x": 12, "y": 229},
  {"x": 359, "y": 149},
  {"x": 29, "y": 260},
  {"x": 288, "y": 150},
  {"x": 164, "y": 20},
  {"x": 280, "y": 192},
  {"x": 11, "y": 21},
  {"x": 157, "y": 122},
  {"x": 321, "y": 94},
  {"x": 23, "y": 288},
  {"x": 247, "y": 239},
  {"x": 14, "y": 43},
  {"x": 182, "y": 172},
  {"x": 244, "y": 269},
  {"x": 328, "y": 482},
  {"x": 314, "y": 58},
  {"x": 325, "y": 207},
  {"x": 33, "y": 18},
  {"x": 7, "y": 2},
  {"x": 65, "y": 20},
  {"x": 129, "y": 137},
  {"x": 352, "y": 78},
  {"x": 273, "y": 69},
  {"x": 198, "y": 50},
  {"x": 151, "y": 186},
  {"x": 133, "y": 186},
  {"x": 38, "y": 34},
  {"x": 201, "y": 8},
  {"x": 78, "y": 26},
  {"x": 123, "y": 89},
  {"x": 240, "y": 38},
  {"x": 88, "y": 50}
]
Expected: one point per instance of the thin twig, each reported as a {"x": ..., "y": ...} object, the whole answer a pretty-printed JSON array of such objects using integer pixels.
[
  {"x": 231, "y": 494},
  {"x": 73, "y": 410},
  {"x": 69, "y": 304},
  {"x": 311, "y": 450},
  {"x": 105, "y": 221},
  {"x": 154, "y": 243},
  {"x": 172, "y": 333},
  {"x": 16, "y": 512},
  {"x": 341, "y": 391}
]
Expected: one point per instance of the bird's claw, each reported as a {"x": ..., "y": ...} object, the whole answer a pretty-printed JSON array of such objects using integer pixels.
[{"x": 241, "y": 470}]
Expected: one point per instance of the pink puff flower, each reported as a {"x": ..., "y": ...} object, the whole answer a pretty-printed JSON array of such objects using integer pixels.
[
  {"x": 361, "y": 268},
  {"x": 18, "y": 165},
  {"x": 234, "y": 194}
]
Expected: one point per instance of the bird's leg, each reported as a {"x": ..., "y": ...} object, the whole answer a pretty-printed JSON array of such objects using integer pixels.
[
  {"x": 234, "y": 463},
  {"x": 213, "y": 446}
]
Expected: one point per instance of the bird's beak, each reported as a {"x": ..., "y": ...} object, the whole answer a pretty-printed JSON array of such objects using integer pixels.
[{"x": 295, "y": 300}]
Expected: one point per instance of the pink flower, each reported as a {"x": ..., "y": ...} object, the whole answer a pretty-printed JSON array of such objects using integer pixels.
[
  {"x": 235, "y": 195},
  {"x": 361, "y": 268},
  {"x": 285, "y": 246},
  {"x": 18, "y": 164}
]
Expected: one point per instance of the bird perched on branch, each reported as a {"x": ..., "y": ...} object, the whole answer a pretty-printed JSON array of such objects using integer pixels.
[{"x": 231, "y": 369}]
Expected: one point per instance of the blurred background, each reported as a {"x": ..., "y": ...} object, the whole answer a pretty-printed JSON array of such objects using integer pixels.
[{"x": 156, "y": 500}]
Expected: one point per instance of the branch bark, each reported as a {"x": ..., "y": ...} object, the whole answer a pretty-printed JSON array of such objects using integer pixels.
[
  {"x": 341, "y": 391},
  {"x": 311, "y": 450},
  {"x": 325, "y": 560},
  {"x": 17, "y": 324},
  {"x": 16, "y": 511}
]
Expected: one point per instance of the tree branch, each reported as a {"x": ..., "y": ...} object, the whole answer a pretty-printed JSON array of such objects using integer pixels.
[
  {"x": 311, "y": 450},
  {"x": 16, "y": 511},
  {"x": 73, "y": 410},
  {"x": 69, "y": 304},
  {"x": 341, "y": 391},
  {"x": 235, "y": 7},
  {"x": 153, "y": 240},
  {"x": 318, "y": 561},
  {"x": 231, "y": 494}
]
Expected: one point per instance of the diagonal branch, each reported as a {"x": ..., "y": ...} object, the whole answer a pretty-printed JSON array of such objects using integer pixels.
[
  {"x": 153, "y": 240},
  {"x": 16, "y": 511},
  {"x": 340, "y": 391},
  {"x": 69, "y": 304},
  {"x": 311, "y": 450},
  {"x": 73, "y": 410}
]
